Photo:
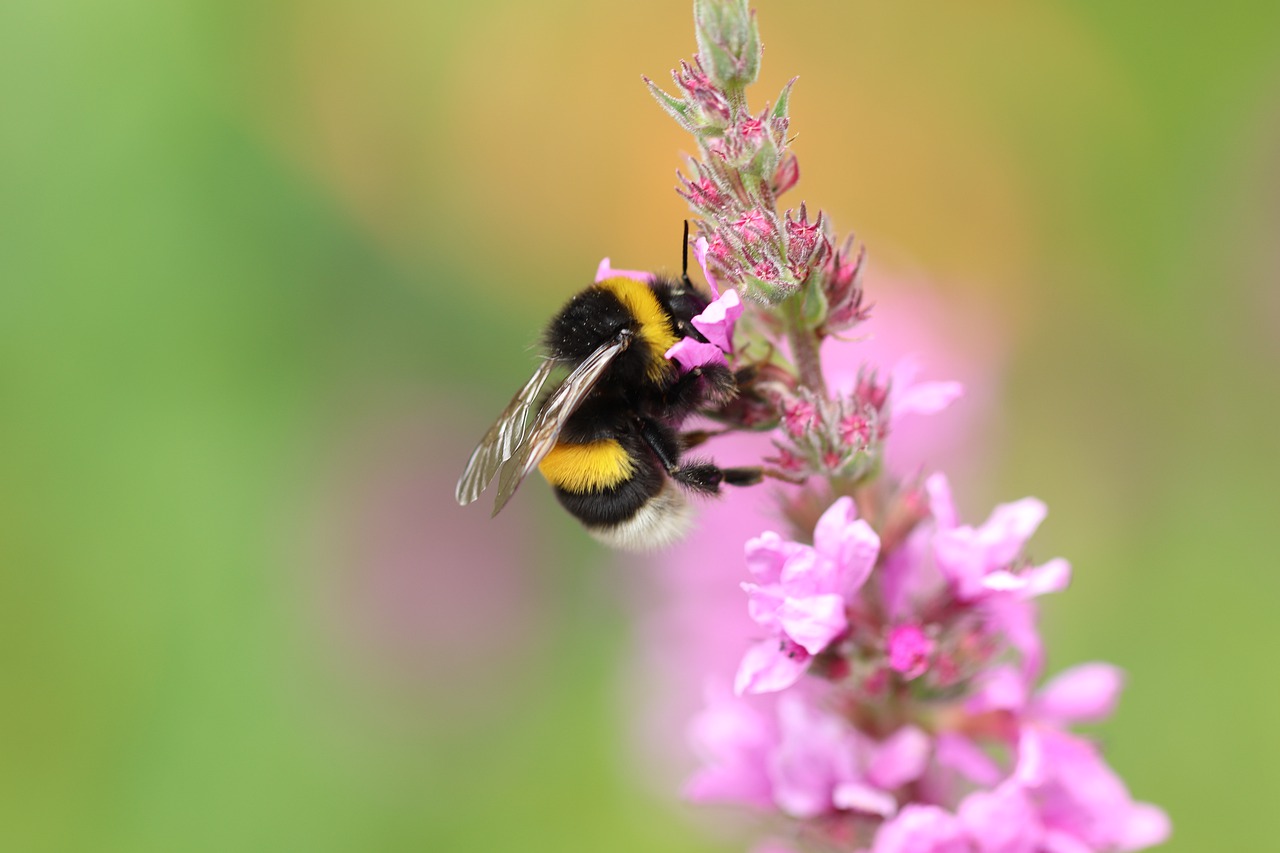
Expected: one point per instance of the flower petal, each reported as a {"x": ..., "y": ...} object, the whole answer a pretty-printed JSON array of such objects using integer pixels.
[
  {"x": 1082, "y": 694},
  {"x": 717, "y": 320},
  {"x": 606, "y": 271},
  {"x": 900, "y": 758},
  {"x": 941, "y": 506},
  {"x": 689, "y": 354},
  {"x": 926, "y": 398},
  {"x": 864, "y": 798},
  {"x": 813, "y": 622},
  {"x": 770, "y": 666},
  {"x": 962, "y": 755},
  {"x": 700, "y": 248}
]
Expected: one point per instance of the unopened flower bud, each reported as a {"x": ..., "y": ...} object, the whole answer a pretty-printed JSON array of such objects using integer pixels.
[{"x": 728, "y": 41}]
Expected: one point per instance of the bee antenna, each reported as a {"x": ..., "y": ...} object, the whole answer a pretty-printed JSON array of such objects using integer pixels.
[{"x": 684, "y": 265}]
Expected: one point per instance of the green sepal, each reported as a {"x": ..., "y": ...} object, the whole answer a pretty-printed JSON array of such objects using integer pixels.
[
  {"x": 814, "y": 308},
  {"x": 784, "y": 100},
  {"x": 674, "y": 107}
]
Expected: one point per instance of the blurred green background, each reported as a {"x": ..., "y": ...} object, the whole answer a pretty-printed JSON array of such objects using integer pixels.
[{"x": 268, "y": 269}]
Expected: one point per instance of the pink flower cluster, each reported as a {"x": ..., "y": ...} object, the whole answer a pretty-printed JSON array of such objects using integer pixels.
[{"x": 918, "y": 729}]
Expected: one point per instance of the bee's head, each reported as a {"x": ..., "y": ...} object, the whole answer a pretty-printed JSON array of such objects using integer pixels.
[{"x": 682, "y": 302}]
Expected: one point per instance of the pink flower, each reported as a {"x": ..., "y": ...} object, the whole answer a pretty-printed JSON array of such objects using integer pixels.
[
  {"x": 906, "y": 396},
  {"x": 1081, "y": 803},
  {"x": 716, "y": 324},
  {"x": 978, "y": 561},
  {"x": 733, "y": 740},
  {"x": 802, "y": 759},
  {"x": 700, "y": 249},
  {"x": 909, "y": 650},
  {"x": 1086, "y": 693},
  {"x": 689, "y": 354},
  {"x": 606, "y": 271},
  {"x": 801, "y": 592},
  {"x": 922, "y": 829},
  {"x": 717, "y": 320}
]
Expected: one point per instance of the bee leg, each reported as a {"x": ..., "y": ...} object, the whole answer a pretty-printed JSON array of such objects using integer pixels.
[
  {"x": 695, "y": 475},
  {"x": 708, "y": 385},
  {"x": 694, "y": 437},
  {"x": 743, "y": 476}
]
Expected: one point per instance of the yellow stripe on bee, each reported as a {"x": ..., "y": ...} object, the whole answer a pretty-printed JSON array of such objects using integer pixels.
[
  {"x": 589, "y": 467},
  {"x": 655, "y": 324}
]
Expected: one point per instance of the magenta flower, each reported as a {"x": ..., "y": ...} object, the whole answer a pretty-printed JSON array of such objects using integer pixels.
[
  {"x": 801, "y": 593},
  {"x": 1080, "y": 803},
  {"x": 923, "y": 829},
  {"x": 717, "y": 320},
  {"x": 907, "y": 396},
  {"x": 980, "y": 561},
  {"x": 803, "y": 760},
  {"x": 716, "y": 323},
  {"x": 909, "y": 650},
  {"x": 606, "y": 271}
]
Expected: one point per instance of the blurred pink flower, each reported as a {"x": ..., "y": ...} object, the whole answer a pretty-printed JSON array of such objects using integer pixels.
[
  {"x": 909, "y": 650},
  {"x": 801, "y": 593},
  {"x": 922, "y": 829},
  {"x": 800, "y": 758}
]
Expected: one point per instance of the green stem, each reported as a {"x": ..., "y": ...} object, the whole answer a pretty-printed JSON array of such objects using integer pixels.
[{"x": 804, "y": 345}]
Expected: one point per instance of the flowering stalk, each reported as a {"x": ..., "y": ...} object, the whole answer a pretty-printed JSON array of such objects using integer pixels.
[{"x": 891, "y": 702}]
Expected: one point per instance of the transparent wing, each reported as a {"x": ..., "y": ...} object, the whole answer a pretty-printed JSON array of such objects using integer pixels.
[
  {"x": 503, "y": 438},
  {"x": 562, "y": 403}
]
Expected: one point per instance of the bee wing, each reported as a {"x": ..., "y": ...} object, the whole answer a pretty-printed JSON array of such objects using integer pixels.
[
  {"x": 562, "y": 403},
  {"x": 503, "y": 438}
]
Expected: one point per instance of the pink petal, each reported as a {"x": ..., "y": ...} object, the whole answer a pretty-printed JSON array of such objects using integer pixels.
[
  {"x": 717, "y": 319},
  {"x": 1009, "y": 527},
  {"x": 814, "y": 751},
  {"x": 732, "y": 739},
  {"x": 829, "y": 531},
  {"x": 941, "y": 506},
  {"x": 1056, "y": 841},
  {"x": 768, "y": 668},
  {"x": 763, "y": 603},
  {"x": 1001, "y": 821},
  {"x": 864, "y": 798},
  {"x": 926, "y": 398},
  {"x": 700, "y": 247},
  {"x": 922, "y": 829},
  {"x": 1146, "y": 826},
  {"x": 1053, "y": 576},
  {"x": 606, "y": 271},
  {"x": 767, "y": 554},
  {"x": 813, "y": 622},
  {"x": 850, "y": 542},
  {"x": 1082, "y": 694},
  {"x": 1003, "y": 688},
  {"x": 689, "y": 354},
  {"x": 962, "y": 755},
  {"x": 900, "y": 759}
]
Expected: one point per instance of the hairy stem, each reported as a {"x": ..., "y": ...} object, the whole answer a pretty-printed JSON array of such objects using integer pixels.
[{"x": 804, "y": 344}]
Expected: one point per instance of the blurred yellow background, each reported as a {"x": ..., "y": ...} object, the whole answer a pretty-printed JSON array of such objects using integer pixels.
[{"x": 268, "y": 270}]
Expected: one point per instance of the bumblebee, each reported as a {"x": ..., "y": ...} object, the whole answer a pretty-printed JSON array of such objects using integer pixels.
[{"x": 607, "y": 438}]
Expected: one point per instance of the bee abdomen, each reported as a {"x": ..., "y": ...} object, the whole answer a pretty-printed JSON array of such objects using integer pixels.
[{"x": 588, "y": 467}]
